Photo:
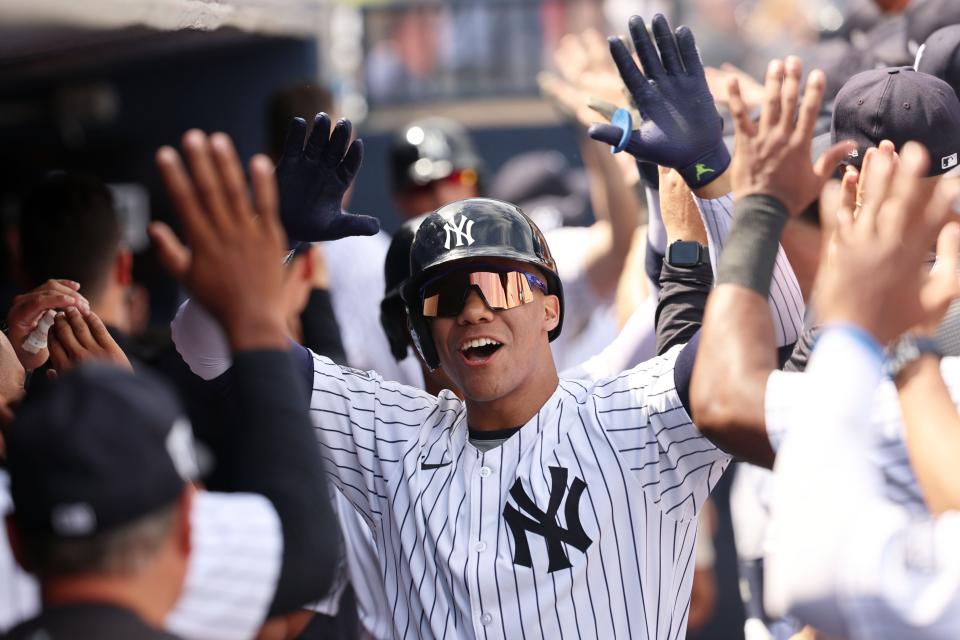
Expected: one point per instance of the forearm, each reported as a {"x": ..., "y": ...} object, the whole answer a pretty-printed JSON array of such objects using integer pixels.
[
  {"x": 932, "y": 433},
  {"x": 785, "y": 294},
  {"x": 738, "y": 349},
  {"x": 683, "y": 298},
  {"x": 274, "y": 453}
]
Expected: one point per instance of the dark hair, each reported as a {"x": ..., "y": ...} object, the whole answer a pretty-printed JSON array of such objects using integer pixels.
[{"x": 69, "y": 229}]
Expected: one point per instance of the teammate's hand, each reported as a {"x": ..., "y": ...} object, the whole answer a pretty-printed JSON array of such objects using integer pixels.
[
  {"x": 27, "y": 309},
  {"x": 234, "y": 265},
  {"x": 681, "y": 128},
  {"x": 313, "y": 179},
  {"x": 76, "y": 338},
  {"x": 772, "y": 157},
  {"x": 877, "y": 275}
]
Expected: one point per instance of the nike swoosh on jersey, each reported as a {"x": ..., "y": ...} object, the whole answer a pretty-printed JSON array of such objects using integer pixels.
[{"x": 427, "y": 466}]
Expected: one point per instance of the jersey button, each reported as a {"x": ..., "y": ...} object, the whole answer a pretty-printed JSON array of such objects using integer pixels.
[
  {"x": 486, "y": 619},
  {"x": 485, "y": 472},
  {"x": 480, "y": 546}
]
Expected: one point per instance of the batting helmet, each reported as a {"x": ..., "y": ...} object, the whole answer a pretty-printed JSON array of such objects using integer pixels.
[
  {"x": 431, "y": 149},
  {"x": 467, "y": 230},
  {"x": 396, "y": 270}
]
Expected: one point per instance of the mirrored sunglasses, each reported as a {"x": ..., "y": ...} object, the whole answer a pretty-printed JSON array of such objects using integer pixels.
[{"x": 447, "y": 294}]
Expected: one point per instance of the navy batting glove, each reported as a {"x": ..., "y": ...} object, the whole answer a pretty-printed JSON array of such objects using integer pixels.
[
  {"x": 313, "y": 178},
  {"x": 680, "y": 126}
]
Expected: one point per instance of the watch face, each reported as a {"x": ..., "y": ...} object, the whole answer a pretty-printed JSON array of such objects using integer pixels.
[{"x": 684, "y": 254}]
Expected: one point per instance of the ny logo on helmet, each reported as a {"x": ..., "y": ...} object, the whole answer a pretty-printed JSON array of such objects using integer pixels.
[{"x": 463, "y": 232}]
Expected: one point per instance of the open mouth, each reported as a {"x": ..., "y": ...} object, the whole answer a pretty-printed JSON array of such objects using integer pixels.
[{"x": 479, "y": 350}]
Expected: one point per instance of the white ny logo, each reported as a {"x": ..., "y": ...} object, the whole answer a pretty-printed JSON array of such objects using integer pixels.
[{"x": 463, "y": 235}]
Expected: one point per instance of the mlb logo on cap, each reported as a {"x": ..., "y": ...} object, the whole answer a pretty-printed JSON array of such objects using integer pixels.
[{"x": 948, "y": 162}]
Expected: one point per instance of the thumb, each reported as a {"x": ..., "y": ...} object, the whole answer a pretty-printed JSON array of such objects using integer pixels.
[
  {"x": 349, "y": 224},
  {"x": 832, "y": 157},
  {"x": 606, "y": 133},
  {"x": 174, "y": 256}
]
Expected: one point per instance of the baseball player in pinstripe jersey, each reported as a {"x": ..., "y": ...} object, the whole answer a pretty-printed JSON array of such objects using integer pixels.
[{"x": 536, "y": 507}]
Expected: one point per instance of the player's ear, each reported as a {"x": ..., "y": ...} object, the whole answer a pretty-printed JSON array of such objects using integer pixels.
[{"x": 551, "y": 312}]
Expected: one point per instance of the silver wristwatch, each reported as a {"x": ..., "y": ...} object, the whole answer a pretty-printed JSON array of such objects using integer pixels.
[{"x": 908, "y": 349}]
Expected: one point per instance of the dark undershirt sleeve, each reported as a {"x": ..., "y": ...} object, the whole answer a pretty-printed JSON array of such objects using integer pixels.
[
  {"x": 272, "y": 451},
  {"x": 321, "y": 333},
  {"x": 683, "y": 298}
]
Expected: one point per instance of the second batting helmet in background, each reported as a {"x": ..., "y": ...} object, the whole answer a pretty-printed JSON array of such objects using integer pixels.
[
  {"x": 467, "y": 230},
  {"x": 431, "y": 149},
  {"x": 396, "y": 270}
]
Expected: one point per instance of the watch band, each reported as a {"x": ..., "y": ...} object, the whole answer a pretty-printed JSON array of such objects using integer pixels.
[
  {"x": 908, "y": 349},
  {"x": 687, "y": 246}
]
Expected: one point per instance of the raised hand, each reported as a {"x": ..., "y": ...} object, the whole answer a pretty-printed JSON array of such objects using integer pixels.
[
  {"x": 772, "y": 157},
  {"x": 877, "y": 276},
  {"x": 28, "y": 308},
  {"x": 76, "y": 338},
  {"x": 680, "y": 126},
  {"x": 233, "y": 267},
  {"x": 313, "y": 179}
]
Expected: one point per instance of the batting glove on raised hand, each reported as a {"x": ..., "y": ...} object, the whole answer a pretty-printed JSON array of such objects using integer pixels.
[
  {"x": 313, "y": 178},
  {"x": 680, "y": 126}
]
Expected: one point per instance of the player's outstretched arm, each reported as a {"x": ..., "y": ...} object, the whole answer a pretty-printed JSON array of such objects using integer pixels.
[
  {"x": 233, "y": 267},
  {"x": 313, "y": 179},
  {"x": 830, "y": 564},
  {"x": 772, "y": 179}
]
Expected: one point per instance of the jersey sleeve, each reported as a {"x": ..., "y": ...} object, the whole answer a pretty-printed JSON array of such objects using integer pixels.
[
  {"x": 635, "y": 343},
  {"x": 364, "y": 426},
  {"x": 783, "y": 401},
  {"x": 786, "y": 299},
  {"x": 236, "y": 551},
  {"x": 645, "y": 420}
]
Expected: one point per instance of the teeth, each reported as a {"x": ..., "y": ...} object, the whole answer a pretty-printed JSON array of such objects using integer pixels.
[{"x": 477, "y": 342}]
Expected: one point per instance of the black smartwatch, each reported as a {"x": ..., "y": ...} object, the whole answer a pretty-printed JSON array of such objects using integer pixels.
[{"x": 687, "y": 254}]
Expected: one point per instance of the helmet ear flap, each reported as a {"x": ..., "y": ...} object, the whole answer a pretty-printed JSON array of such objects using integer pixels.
[
  {"x": 393, "y": 320},
  {"x": 423, "y": 339}
]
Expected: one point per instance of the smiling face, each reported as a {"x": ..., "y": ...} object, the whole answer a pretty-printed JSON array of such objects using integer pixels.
[{"x": 499, "y": 356}]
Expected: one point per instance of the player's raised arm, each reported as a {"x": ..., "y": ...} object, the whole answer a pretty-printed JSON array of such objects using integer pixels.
[
  {"x": 844, "y": 569},
  {"x": 772, "y": 179}
]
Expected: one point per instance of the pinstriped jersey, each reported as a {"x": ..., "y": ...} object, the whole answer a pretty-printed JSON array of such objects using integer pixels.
[{"x": 582, "y": 524}]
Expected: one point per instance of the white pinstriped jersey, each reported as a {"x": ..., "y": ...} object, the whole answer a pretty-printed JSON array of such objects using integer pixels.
[
  {"x": 581, "y": 524},
  {"x": 786, "y": 298}
]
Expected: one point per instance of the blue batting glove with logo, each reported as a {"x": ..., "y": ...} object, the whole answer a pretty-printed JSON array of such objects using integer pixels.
[
  {"x": 313, "y": 178},
  {"x": 680, "y": 126}
]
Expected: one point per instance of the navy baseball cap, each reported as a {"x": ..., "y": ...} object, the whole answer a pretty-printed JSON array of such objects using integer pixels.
[
  {"x": 99, "y": 448},
  {"x": 899, "y": 104},
  {"x": 940, "y": 56}
]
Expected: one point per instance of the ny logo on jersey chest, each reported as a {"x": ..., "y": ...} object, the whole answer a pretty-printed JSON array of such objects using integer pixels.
[
  {"x": 463, "y": 232},
  {"x": 544, "y": 522}
]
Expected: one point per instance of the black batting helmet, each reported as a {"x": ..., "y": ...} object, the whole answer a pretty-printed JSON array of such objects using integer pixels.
[
  {"x": 396, "y": 270},
  {"x": 467, "y": 230},
  {"x": 431, "y": 149}
]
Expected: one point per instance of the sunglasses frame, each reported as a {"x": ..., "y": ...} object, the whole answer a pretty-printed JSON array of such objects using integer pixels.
[{"x": 532, "y": 280}]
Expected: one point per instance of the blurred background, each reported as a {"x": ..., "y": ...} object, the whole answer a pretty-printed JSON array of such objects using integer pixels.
[{"x": 98, "y": 85}]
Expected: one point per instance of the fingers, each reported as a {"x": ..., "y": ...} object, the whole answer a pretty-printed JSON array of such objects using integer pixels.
[
  {"x": 351, "y": 162},
  {"x": 688, "y": 52},
  {"x": 848, "y": 189},
  {"x": 206, "y": 178},
  {"x": 99, "y": 333},
  {"x": 293, "y": 143},
  {"x": 875, "y": 182},
  {"x": 632, "y": 77},
  {"x": 810, "y": 105},
  {"x": 265, "y": 195},
  {"x": 770, "y": 115},
  {"x": 231, "y": 171},
  {"x": 744, "y": 126},
  {"x": 81, "y": 331},
  {"x": 337, "y": 146},
  {"x": 174, "y": 256},
  {"x": 606, "y": 133},
  {"x": 646, "y": 52},
  {"x": 667, "y": 45},
  {"x": 27, "y": 309},
  {"x": 63, "y": 330},
  {"x": 354, "y": 225},
  {"x": 317, "y": 141},
  {"x": 831, "y": 158},
  {"x": 58, "y": 355},
  {"x": 790, "y": 92},
  {"x": 181, "y": 192}
]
